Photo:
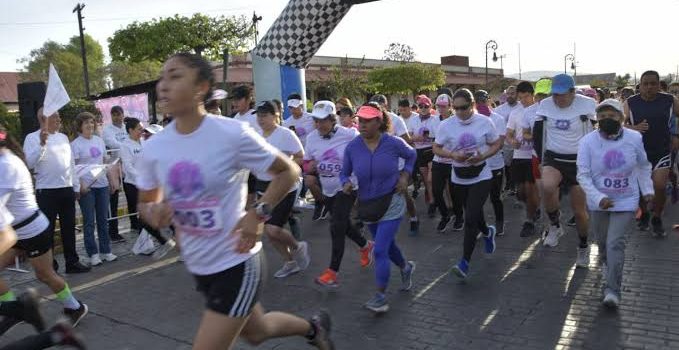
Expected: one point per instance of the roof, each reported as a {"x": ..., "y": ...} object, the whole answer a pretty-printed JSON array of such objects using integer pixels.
[{"x": 8, "y": 87}]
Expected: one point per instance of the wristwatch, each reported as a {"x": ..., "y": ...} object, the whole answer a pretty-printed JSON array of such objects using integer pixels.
[{"x": 263, "y": 210}]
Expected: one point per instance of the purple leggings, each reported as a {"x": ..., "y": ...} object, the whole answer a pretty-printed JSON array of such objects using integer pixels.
[{"x": 384, "y": 234}]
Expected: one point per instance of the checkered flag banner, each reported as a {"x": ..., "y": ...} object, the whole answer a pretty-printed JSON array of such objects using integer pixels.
[{"x": 300, "y": 30}]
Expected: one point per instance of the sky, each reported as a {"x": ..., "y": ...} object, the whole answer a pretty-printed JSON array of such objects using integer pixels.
[{"x": 603, "y": 31}]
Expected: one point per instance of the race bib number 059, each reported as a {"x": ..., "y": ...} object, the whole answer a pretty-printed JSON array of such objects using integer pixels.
[{"x": 201, "y": 218}]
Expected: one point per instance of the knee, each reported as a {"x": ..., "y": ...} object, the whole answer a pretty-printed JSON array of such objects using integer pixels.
[{"x": 380, "y": 251}]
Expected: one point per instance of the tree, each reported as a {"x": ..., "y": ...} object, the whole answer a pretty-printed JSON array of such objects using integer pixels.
[
  {"x": 68, "y": 62},
  {"x": 623, "y": 80},
  {"x": 157, "y": 39},
  {"x": 11, "y": 122},
  {"x": 404, "y": 78},
  {"x": 124, "y": 73},
  {"x": 70, "y": 111},
  {"x": 345, "y": 80},
  {"x": 399, "y": 52}
]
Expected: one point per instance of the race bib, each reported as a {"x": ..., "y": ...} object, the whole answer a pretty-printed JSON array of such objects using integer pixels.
[
  {"x": 201, "y": 218},
  {"x": 329, "y": 169},
  {"x": 614, "y": 184}
]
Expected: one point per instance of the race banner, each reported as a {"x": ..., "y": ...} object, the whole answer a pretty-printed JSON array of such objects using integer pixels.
[{"x": 135, "y": 106}]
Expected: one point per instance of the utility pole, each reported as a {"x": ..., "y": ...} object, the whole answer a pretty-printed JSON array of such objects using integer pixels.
[
  {"x": 78, "y": 8},
  {"x": 519, "y": 61},
  {"x": 255, "y": 20}
]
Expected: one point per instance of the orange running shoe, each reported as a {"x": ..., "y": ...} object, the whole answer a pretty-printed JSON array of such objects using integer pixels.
[
  {"x": 367, "y": 256},
  {"x": 328, "y": 278}
]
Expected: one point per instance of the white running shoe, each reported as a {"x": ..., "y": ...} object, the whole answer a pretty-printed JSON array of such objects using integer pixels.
[
  {"x": 288, "y": 269},
  {"x": 109, "y": 257},
  {"x": 582, "y": 260},
  {"x": 164, "y": 249},
  {"x": 611, "y": 300},
  {"x": 301, "y": 255},
  {"x": 95, "y": 260},
  {"x": 552, "y": 237}
]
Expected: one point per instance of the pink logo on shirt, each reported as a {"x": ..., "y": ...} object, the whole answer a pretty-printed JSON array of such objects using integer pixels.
[
  {"x": 300, "y": 131},
  {"x": 185, "y": 179},
  {"x": 94, "y": 152},
  {"x": 614, "y": 159},
  {"x": 466, "y": 141}
]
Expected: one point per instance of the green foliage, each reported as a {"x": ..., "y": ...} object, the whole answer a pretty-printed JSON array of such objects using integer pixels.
[
  {"x": 399, "y": 52},
  {"x": 11, "y": 121},
  {"x": 623, "y": 80},
  {"x": 68, "y": 62},
  {"x": 345, "y": 81},
  {"x": 124, "y": 73},
  {"x": 70, "y": 111},
  {"x": 406, "y": 78},
  {"x": 157, "y": 39}
]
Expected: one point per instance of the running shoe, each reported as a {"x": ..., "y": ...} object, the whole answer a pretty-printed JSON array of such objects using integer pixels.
[
  {"x": 164, "y": 249},
  {"x": 611, "y": 300},
  {"x": 461, "y": 269},
  {"x": 658, "y": 228},
  {"x": 528, "y": 229},
  {"x": 582, "y": 260},
  {"x": 489, "y": 240},
  {"x": 328, "y": 278},
  {"x": 414, "y": 227},
  {"x": 109, "y": 257},
  {"x": 76, "y": 315},
  {"x": 443, "y": 224},
  {"x": 325, "y": 213},
  {"x": 551, "y": 237},
  {"x": 643, "y": 224},
  {"x": 301, "y": 255},
  {"x": 95, "y": 260},
  {"x": 322, "y": 326},
  {"x": 431, "y": 211},
  {"x": 66, "y": 336},
  {"x": 407, "y": 276},
  {"x": 458, "y": 225},
  {"x": 571, "y": 221},
  {"x": 289, "y": 268},
  {"x": 378, "y": 303},
  {"x": 367, "y": 256},
  {"x": 318, "y": 211}
]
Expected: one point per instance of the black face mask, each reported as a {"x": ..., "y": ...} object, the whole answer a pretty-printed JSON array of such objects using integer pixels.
[{"x": 610, "y": 127}]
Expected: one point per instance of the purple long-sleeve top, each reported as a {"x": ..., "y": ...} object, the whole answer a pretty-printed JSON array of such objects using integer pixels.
[{"x": 377, "y": 172}]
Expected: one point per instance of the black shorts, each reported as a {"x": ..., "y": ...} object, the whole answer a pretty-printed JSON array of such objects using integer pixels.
[
  {"x": 36, "y": 246},
  {"x": 659, "y": 160},
  {"x": 522, "y": 171},
  {"x": 565, "y": 164},
  {"x": 280, "y": 213},
  {"x": 252, "y": 180},
  {"x": 233, "y": 292},
  {"x": 424, "y": 157}
]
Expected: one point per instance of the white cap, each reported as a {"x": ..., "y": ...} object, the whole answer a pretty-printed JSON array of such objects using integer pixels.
[
  {"x": 443, "y": 100},
  {"x": 617, "y": 105},
  {"x": 322, "y": 109},
  {"x": 218, "y": 94},
  {"x": 294, "y": 103},
  {"x": 153, "y": 128}
]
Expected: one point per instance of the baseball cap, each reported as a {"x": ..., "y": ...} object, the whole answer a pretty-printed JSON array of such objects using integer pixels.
[
  {"x": 153, "y": 128},
  {"x": 294, "y": 103},
  {"x": 266, "y": 107},
  {"x": 543, "y": 86},
  {"x": 423, "y": 100},
  {"x": 612, "y": 102},
  {"x": 481, "y": 95},
  {"x": 241, "y": 91},
  {"x": 443, "y": 100},
  {"x": 369, "y": 112},
  {"x": 562, "y": 83},
  {"x": 323, "y": 109},
  {"x": 589, "y": 92},
  {"x": 218, "y": 94}
]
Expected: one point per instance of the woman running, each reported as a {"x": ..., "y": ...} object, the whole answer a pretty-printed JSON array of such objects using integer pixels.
[
  {"x": 31, "y": 227},
  {"x": 324, "y": 156},
  {"x": 469, "y": 139},
  {"x": 130, "y": 151},
  {"x": 296, "y": 254},
  {"x": 194, "y": 174},
  {"x": 89, "y": 149},
  {"x": 374, "y": 159},
  {"x": 612, "y": 170}
]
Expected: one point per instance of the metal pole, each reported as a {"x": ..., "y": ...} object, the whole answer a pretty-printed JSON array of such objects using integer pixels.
[
  {"x": 225, "y": 68},
  {"x": 78, "y": 8},
  {"x": 519, "y": 61},
  {"x": 491, "y": 44}
]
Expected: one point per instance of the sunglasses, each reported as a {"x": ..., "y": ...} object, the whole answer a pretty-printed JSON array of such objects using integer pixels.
[
  {"x": 461, "y": 108},
  {"x": 424, "y": 106}
]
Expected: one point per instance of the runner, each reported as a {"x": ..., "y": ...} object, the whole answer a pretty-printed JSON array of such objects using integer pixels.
[
  {"x": 469, "y": 139},
  {"x": 651, "y": 113},
  {"x": 566, "y": 117},
  {"x": 114, "y": 136},
  {"x": 374, "y": 159},
  {"x": 296, "y": 254},
  {"x": 191, "y": 174},
  {"x": 348, "y": 118},
  {"x": 242, "y": 102},
  {"x": 505, "y": 110},
  {"x": 324, "y": 155},
  {"x": 32, "y": 229},
  {"x": 422, "y": 127},
  {"x": 612, "y": 169},
  {"x": 523, "y": 156}
]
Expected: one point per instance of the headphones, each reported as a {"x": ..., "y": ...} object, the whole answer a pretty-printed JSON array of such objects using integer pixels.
[{"x": 332, "y": 132}]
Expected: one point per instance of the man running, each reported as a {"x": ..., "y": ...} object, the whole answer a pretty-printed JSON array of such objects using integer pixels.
[
  {"x": 505, "y": 110},
  {"x": 651, "y": 112}
]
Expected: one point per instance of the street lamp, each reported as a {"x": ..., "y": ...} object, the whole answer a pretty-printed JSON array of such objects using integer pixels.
[
  {"x": 568, "y": 57},
  {"x": 491, "y": 44},
  {"x": 501, "y": 57}
]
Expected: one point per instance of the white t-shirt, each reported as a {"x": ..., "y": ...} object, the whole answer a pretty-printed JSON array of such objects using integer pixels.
[
  {"x": 52, "y": 164},
  {"x": 505, "y": 110},
  {"x": 407, "y": 120},
  {"x": 203, "y": 175},
  {"x": 90, "y": 152},
  {"x": 437, "y": 158},
  {"x": 398, "y": 125},
  {"x": 15, "y": 180},
  {"x": 329, "y": 157},
  {"x": 284, "y": 140},
  {"x": 303, "y": 125},
  {"x": 564, "y": 126},
  {"x": 516, "y": 122},
  {"x": 470, "y": 136},
  {"x": 617, "y": 169},
  {"x": 249, "y": 117},
  {"x": 497, "y": 161},
  {"x": 419, "y": 127},
  {"x": 5, "y": 216},
  {"x": 114, "y": 137},
  {"x": 130, "y": 151}
]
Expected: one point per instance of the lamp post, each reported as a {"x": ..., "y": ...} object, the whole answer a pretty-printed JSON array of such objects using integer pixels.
[
  {"x": 501, "y": 57},
  {"x": 568, "y": 57},
  {"x": 491, "y": 44}
]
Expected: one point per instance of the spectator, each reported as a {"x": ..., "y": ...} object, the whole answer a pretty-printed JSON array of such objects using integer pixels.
[{"x": 114, "y": 135}]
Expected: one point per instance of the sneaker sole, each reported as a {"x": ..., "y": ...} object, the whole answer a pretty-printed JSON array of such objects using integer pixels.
[
  {"x": 287, "y": 274},
  {"x": 459, "y": 273},
  {"x": 334, "y": 285},
  {"x": 378, "y": 310},
  {"x": 87, "y": 310},
  {"x": 492, "y": 239},
  {"x": 405, "y": 289},
  {"x": 610, "y": 304}
]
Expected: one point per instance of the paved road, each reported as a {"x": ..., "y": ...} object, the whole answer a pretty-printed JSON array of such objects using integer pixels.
[{"x": 522, "y": 297}]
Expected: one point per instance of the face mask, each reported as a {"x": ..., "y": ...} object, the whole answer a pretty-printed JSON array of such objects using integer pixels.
[{"x": 610, "y": 127}]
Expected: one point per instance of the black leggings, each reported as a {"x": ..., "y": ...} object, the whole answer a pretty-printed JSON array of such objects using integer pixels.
[
  {"x": 440, "y": 176},
  {"x": 340, "y": 225},
  {"x": 132, "y": 195},
  {"x": 495, "y": 191},
  {"x": 474, "y": 196}
]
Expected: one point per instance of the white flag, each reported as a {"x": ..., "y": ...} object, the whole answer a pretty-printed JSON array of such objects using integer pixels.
[{"x": 56, "y": 96}]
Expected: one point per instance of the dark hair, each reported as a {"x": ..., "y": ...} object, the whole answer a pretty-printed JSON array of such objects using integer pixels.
[
  {"x": 415, "y": 106},
  {"x": 8, "y": 141},
  {"x": 295, "y": 96},
  {"x": 267, "y": 107},
  {"x": 524, "y": 87},
  {"x": 117, "y": 110},
  {"x": 651, "y": 73},
  {"x": 212, "y": 104},
  {"x": 81, "y": 118},
  {"x": 346, "y": 111},
  {"x": 385, "y": 126},
  {"x": 601, "y": 94},
  {"x": 445, "y": 91},
  {"x": 465, "y": 94},
  {"x": 404, "y": 103},
  {"x": 663, "y": 85},
  {"x": 379, "y": 98},
  {"x": 203, "y": 67},
  {"x": 131, "y": 123}
]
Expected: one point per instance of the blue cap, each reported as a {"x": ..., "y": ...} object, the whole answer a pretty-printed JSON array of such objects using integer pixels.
[{"x": 562, "y": 83}]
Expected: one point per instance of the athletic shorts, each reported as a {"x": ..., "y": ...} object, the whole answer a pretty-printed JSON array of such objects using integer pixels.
[
  {"x": 424, "y": 157},
  {"x": 522, "y": 171},
  {"x": 280, "y": 213},
  {"x": 252, "y": 181},
  {"x": 565, "y": 164},
  {"x": 233, "y": 292},
  {"x": 535, "y": 164},
  {"x": 35, "y": 246},
  {"x": 659, "y": 160}
]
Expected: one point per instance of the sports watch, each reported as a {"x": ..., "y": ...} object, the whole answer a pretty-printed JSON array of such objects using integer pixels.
[{"x": 263, "y": 210}]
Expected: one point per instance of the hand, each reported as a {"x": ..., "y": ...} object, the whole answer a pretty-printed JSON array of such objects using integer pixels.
[
  {"x": 606, "y": 203},
  {"x": 43, "y": 137},
  {"x": 402, "y": 184},
  {"x": 312, "y": 167},
  {"x": 158, "y": 215},
  {"x": 457, "y": 156},
  {"x": 348, "y": 187},
  {"x": 642, "y": 127},
  {"x": 515, "y": 143},
  {"x": 649, "y": 198},
  {"x": 84, "y": 190},
  {"x": 248, "y": 228},
  {"x": 475, "y": 158}
]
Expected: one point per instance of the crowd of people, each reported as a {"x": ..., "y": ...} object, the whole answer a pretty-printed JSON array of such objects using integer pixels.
[{"x": 364, "y": 166}]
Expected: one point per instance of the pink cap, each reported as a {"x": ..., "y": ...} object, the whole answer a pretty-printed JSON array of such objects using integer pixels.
[
  {"x": 369, "y": 112},
  {"x": 423, "y": 100}
]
